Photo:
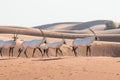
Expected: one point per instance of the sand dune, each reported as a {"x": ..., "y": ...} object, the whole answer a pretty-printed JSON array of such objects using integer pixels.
[
  {"x": 87, "y": 31},
  {"x": 72, "y": 25},
  {"x": 67, "y": 35},
  {"x": 57, "y": 26},
  {"x": 88, "y": 24},
  {"x": 103, "y": 65},
  {"x": 81, "y": 28},
  {"x": 112, "y": 31}
]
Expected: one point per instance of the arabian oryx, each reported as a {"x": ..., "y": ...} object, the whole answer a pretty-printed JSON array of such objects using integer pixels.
[
  {"x": 8, "y": 44},
  {"x": 33, "y": 44},
  {"x": 54, "y": 45},
  {"x": 87, "y": 41}
]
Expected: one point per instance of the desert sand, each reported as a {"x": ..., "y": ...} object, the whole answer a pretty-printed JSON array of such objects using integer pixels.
[
  {"x": 60, "y": 68},
  {"x": 104, "y": 64}
]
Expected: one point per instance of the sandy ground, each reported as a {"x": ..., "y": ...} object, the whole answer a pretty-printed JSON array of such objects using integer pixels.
[
  {"x": 66, "y": 67},
  {"x": 60, "y": 68}
]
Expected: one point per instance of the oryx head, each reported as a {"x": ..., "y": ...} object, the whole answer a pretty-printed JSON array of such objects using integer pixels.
[
  {"x": 15, "y": 36},
  {"x": 96, "y": 37},
  {"x": 64, "y": 42},
  {"x": 44, "y": 38}
]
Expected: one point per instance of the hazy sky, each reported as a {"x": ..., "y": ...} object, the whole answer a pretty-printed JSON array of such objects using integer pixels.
[{"x": 38, "y": 12}]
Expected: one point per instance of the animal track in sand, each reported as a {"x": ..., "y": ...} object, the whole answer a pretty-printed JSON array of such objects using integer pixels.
[
  {"x": 1, "y": 74},
  {"x": 5, "y": 66},
  {"x": 36, "y": 78},
  {"x": 117, "y": 74},
  {"x": 51, "y": 77}
]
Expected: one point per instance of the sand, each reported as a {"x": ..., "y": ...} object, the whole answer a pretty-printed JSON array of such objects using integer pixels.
[
  {"x": 100, "y": 66},
  {"x": 60, "y": 68}
]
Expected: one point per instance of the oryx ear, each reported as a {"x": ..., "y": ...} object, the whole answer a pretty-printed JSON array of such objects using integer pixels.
[
  {"x": 16, "y": 33},
  {"x": 13, "y": 35}
]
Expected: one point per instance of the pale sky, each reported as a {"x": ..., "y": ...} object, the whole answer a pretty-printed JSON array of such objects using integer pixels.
[{"x": 38, "y": 12}]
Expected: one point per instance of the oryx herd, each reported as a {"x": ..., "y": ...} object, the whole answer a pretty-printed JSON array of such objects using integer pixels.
[{"x": 36, "y": 43}]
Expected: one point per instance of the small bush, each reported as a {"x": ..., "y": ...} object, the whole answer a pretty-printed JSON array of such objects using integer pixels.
[
  {"x": 110, "y": 25},
  {"x": 119, "y": 26}
]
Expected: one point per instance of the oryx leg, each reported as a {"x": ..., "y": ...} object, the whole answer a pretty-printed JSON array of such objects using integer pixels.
[
  {"x": 56, "y": 51},
  {"x": 46, "y": 52},
  {"x": 20, "y": 51},
  {"x": 40, "y": 50},
  {"x": 10, "y": 51},
  {"x": 1, "y": 51},
  {"x": 25, "y": 53},
  {"x": 88, "y": 51},
  {"x": 60, "y": 51},
  {"x": 74, "y": 50},
  {"x": 34, "y": 52}
]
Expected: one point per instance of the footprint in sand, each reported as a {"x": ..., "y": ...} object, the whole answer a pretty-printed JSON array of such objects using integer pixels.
[
  {"x": 51, "y": 77},
  {"x": 84, "y": 69},
  {"x": 1, "y": 74},
  {"x": 61, "y": 72},
  {"x": 70, "y": 74},
  {"x": 117, "y": 74},
  {"x": 36, "y": 78},
  {"x": 5, "y": 66}
]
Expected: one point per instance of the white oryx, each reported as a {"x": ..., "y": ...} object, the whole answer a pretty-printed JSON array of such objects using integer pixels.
[
  {"x": 87, "y": 41},
  {"x": 8, "y": 44},
  {"x": 54, "y": 45},
  {"x": 34, "y": 44}
]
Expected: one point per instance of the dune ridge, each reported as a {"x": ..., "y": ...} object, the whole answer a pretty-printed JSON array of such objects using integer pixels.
[
  {"x": 54, "y": 34},
  {"x": 104, "y": 64},
  {"x": 77, "y": 26}
]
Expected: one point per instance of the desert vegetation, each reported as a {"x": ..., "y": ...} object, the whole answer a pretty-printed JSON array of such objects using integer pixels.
[{"x": 110, "y": 25}]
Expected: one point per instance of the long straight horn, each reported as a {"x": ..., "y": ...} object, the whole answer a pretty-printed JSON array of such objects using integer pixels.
[
  {"x": 62, "y": 36},
  {"x": 92, "y": 32},
  {"x": 42, "y": 33},
  {"x": 96, "y": 37},
  {"x": 64, "y": 42},
  {"x": 16, "y": 35}
]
